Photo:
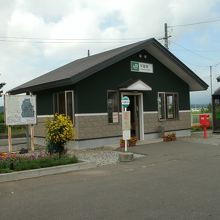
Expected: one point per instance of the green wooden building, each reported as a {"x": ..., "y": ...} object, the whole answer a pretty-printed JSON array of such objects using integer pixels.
[{"x": 90, "y": 90}]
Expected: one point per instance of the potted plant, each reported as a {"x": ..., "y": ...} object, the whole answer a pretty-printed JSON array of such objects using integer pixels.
[
  {"x": 169, "y": 137},
  {"x": 130, "y": 143},
  {"x": 133, "y": 141}
]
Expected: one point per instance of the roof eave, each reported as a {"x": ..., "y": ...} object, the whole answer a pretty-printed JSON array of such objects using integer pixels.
[
  {"x": 45, "y": 86},
  {"x": 201, "y": 85}
]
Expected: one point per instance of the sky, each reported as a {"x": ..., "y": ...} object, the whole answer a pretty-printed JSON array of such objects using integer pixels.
[{"x": 37, "y": 36}]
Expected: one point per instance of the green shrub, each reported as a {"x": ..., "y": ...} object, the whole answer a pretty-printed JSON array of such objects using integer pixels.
[
  {"x": 1, "y": 117},
  {"x": 59, "y": 131},
  {"x": 30, "y": 162}
]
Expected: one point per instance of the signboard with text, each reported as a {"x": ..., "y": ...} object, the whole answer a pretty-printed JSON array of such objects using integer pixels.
[
  {"x": 141, "y": 67},
  {"x": 126, "y": 125},
  {"x": 20, "y": 109}
]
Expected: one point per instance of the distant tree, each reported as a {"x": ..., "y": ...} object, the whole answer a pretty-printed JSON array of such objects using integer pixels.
[
  {"x": 202, "y": 110},
  {"x": 209, "y": 108},
  {"x": 1, "y": 91}
]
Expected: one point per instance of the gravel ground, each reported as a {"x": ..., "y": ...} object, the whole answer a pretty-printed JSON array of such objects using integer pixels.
[{"x": 99, "y": 155}]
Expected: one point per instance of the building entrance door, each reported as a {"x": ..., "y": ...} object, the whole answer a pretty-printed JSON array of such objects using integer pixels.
[{"x": 135, "y": 118}]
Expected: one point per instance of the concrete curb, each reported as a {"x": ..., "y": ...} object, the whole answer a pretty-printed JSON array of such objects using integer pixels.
[{"x": 5, "y": 177}]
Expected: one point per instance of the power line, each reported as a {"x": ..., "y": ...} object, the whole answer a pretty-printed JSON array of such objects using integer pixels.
[
  {"x": 62, "y": 42},
  {"x": 191, "y": 51},
  {"x": 15, "y": 39},
  {"x": 69, "y": 39},
  {"x": 195, "y": 23}
]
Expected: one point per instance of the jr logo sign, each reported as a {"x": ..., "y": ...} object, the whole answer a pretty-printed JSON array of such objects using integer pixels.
[
  {"x": 141, "y": 67},
  {"x": 134, "y": 66}
]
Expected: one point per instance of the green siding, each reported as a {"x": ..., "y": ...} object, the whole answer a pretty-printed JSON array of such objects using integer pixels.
[
  {"x": 45, "y": 100},
  {"x": 92, "y": 92},
  {"x": 44, "y": 103}
]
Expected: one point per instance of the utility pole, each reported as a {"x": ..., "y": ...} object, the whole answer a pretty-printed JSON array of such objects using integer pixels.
[
  {"x": 166, "y": 36},
  {"x": 211, "y": 81}
]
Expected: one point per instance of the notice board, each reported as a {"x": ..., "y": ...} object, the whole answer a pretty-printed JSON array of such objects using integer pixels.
[{"x": 20, "y": 109}]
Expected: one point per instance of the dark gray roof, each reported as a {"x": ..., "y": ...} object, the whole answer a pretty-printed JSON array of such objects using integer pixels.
[
  {"x": 217, "y": 91},
  {"x": 218, "y": 79},
  {"x": 82, "y": 68}
]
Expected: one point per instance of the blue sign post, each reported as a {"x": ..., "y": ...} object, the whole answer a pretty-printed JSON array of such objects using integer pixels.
[{"x": 125, "y": 102}]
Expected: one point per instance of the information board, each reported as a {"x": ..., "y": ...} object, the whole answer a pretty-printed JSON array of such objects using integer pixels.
[
  {"x": 126, "y": 125},
  {"x": 20, "y": 109}
]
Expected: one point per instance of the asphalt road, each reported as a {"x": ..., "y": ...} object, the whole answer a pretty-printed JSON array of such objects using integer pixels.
[{"x": 176, "y": 180}]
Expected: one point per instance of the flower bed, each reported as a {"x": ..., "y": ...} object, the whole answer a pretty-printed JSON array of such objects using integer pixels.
[{"x": 10, "y": 162}]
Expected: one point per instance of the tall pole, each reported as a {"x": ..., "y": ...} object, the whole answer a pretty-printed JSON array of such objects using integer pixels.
[
  {"x": 211, "y": 81},
  {"x": 211, "y": 96},
  {"x": 166, "y": 36}
]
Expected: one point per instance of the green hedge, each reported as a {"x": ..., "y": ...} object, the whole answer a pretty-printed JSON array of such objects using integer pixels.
[{"x": 27, "y": 163}]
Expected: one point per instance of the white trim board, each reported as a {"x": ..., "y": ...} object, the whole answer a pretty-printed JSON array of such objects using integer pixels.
[
  {"x": 151, "y": 112},
  {"x": 90, "y": 114},
  {"x": 44, "y": 116},
  {"x": 138, "y": 86}
]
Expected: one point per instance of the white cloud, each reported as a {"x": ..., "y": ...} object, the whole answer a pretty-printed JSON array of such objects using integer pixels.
[{"x": 83, "y": 19}]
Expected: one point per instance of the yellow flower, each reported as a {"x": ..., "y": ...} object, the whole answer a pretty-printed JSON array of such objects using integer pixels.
[{"x": 59, "y": 130}]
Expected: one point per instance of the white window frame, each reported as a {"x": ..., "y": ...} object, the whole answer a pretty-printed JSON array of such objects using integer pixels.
[
  {"x": 117, "y": 93},
  {"x": 65, "y": 95},
  {"x": 165, "y": 104}
]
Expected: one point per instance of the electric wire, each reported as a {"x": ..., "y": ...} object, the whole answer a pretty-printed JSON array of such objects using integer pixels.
[
  {"x": 195, "y": 23},
  {"x": 191, "y": 51}
]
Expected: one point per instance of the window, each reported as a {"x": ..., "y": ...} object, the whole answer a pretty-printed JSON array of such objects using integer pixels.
[
  {"x": 63, "y": 103},
  {"x": 112, "y": 107},
  {"x": 168, "y": 106}
]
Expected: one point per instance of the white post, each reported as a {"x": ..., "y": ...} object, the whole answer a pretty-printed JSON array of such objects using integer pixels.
[
  {"x": 126, "y": 145},
  {"x": 126, "y": 142},
  {"x": 9, "y": 140},
  {"x": 32, "y": 138}
]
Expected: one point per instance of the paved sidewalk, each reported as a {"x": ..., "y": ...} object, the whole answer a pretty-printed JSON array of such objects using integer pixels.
[
  {"x": 175, "y": 180},
  {"x": 197, "y": 137}
]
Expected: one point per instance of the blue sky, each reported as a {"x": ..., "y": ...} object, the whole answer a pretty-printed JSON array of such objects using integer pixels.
[{"x": 38, "y": 36}]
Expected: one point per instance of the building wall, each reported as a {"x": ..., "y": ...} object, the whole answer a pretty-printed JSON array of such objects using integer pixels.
[
  {"x": 45, "y": 100},
  {"x": 91, "y": 92},
  {"x": 152, "y": 124},
  {"x": 96, "y": 126},
  {"x": 90, "y": 101},
  {"x": 91, "y": 126},
  {"x": 40, "y": 127}
]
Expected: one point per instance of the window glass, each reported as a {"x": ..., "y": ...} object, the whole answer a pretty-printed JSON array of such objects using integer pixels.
[
  {"x": 63, "y": 103},
  {"x": 161, "y": 106},
  {"x": 55, "y": 103},
  {"x": 69, "y": 104},
  {"x": 112, "y": 107},
  {"x": 168, "y": 106}
]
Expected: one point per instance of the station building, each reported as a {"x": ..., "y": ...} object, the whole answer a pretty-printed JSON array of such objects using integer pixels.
[{"x": 90, "y": 90}]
